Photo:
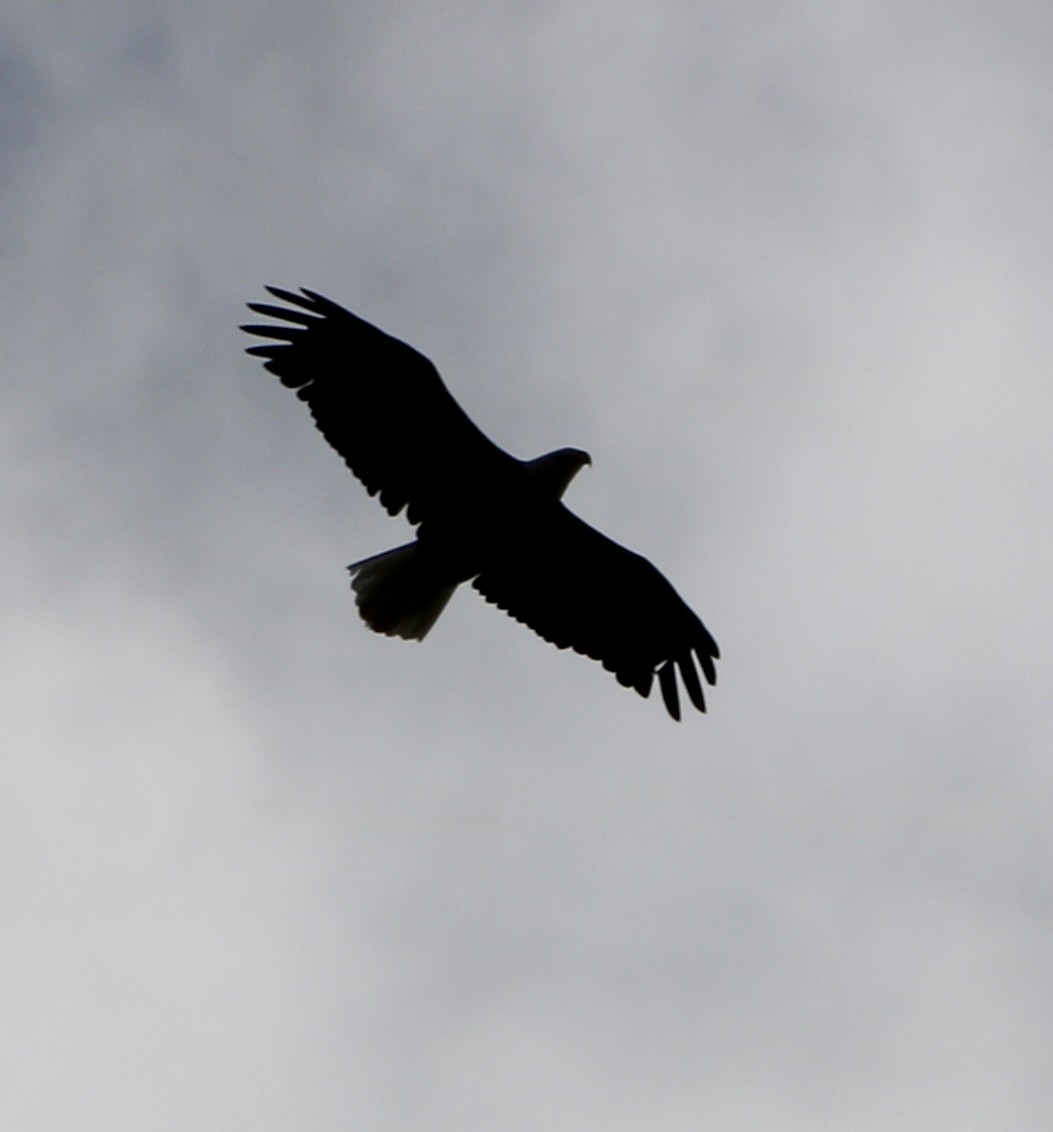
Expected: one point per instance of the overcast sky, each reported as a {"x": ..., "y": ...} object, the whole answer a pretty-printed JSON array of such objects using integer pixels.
[{"x": 785, "y": 271}]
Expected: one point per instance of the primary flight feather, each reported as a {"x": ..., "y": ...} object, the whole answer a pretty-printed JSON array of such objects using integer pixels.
[{"x": 481, "y": 515}]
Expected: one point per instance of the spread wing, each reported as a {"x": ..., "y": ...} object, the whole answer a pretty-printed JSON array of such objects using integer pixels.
[
  {"x": 379, "y": 403},
  {"x": 579, "y": 589}
]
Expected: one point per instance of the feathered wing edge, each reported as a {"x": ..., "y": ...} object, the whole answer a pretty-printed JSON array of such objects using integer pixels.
[
  {"x": 306, "y": 310},
  {"x": 684, "y": 663},
  {"x": 379, "y": 402},
  {"x": 578, "y": 589}
]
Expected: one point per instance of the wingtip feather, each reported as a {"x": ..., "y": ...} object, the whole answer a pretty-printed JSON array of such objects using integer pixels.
[
  {"x": 269, "y": 310},
  {"x": 686, "y": 664},
  {"x": 670, "y": 695},
  {"x": 705, "y": 660},
  {"x": 278, "y": 333},
  {"x": 285, "y": 296}
]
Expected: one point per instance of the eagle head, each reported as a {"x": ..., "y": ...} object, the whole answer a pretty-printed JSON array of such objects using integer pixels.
[{"x": 554, "y": 471}]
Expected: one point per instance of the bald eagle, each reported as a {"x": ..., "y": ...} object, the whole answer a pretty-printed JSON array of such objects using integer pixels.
[{"x": 482, "y": 516}]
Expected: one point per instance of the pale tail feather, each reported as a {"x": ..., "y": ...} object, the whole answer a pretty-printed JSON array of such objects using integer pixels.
[{"x": 397, "y": 594}]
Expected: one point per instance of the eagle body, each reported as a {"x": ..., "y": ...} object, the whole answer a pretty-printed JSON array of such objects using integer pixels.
[
  {"x": 402, "y": 591},
  {"x": 481, "y": 515},
  {"x": 490, "y": 518}
]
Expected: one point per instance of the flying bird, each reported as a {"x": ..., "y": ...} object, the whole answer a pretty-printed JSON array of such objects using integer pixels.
[{"x": 482, "y": 516}]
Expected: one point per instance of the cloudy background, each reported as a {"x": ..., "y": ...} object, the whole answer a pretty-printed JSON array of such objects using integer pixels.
[{"x": 785, "y": 270}]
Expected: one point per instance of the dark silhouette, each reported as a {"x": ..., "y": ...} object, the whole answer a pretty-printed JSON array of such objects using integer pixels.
[{"x": 481, "y": 515}]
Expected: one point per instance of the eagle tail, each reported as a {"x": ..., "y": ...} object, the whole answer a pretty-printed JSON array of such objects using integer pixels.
[{"x": 398, "y": 594}]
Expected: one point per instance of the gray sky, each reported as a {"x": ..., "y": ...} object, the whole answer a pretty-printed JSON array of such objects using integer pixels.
[{"x": 784, "y": 270}]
